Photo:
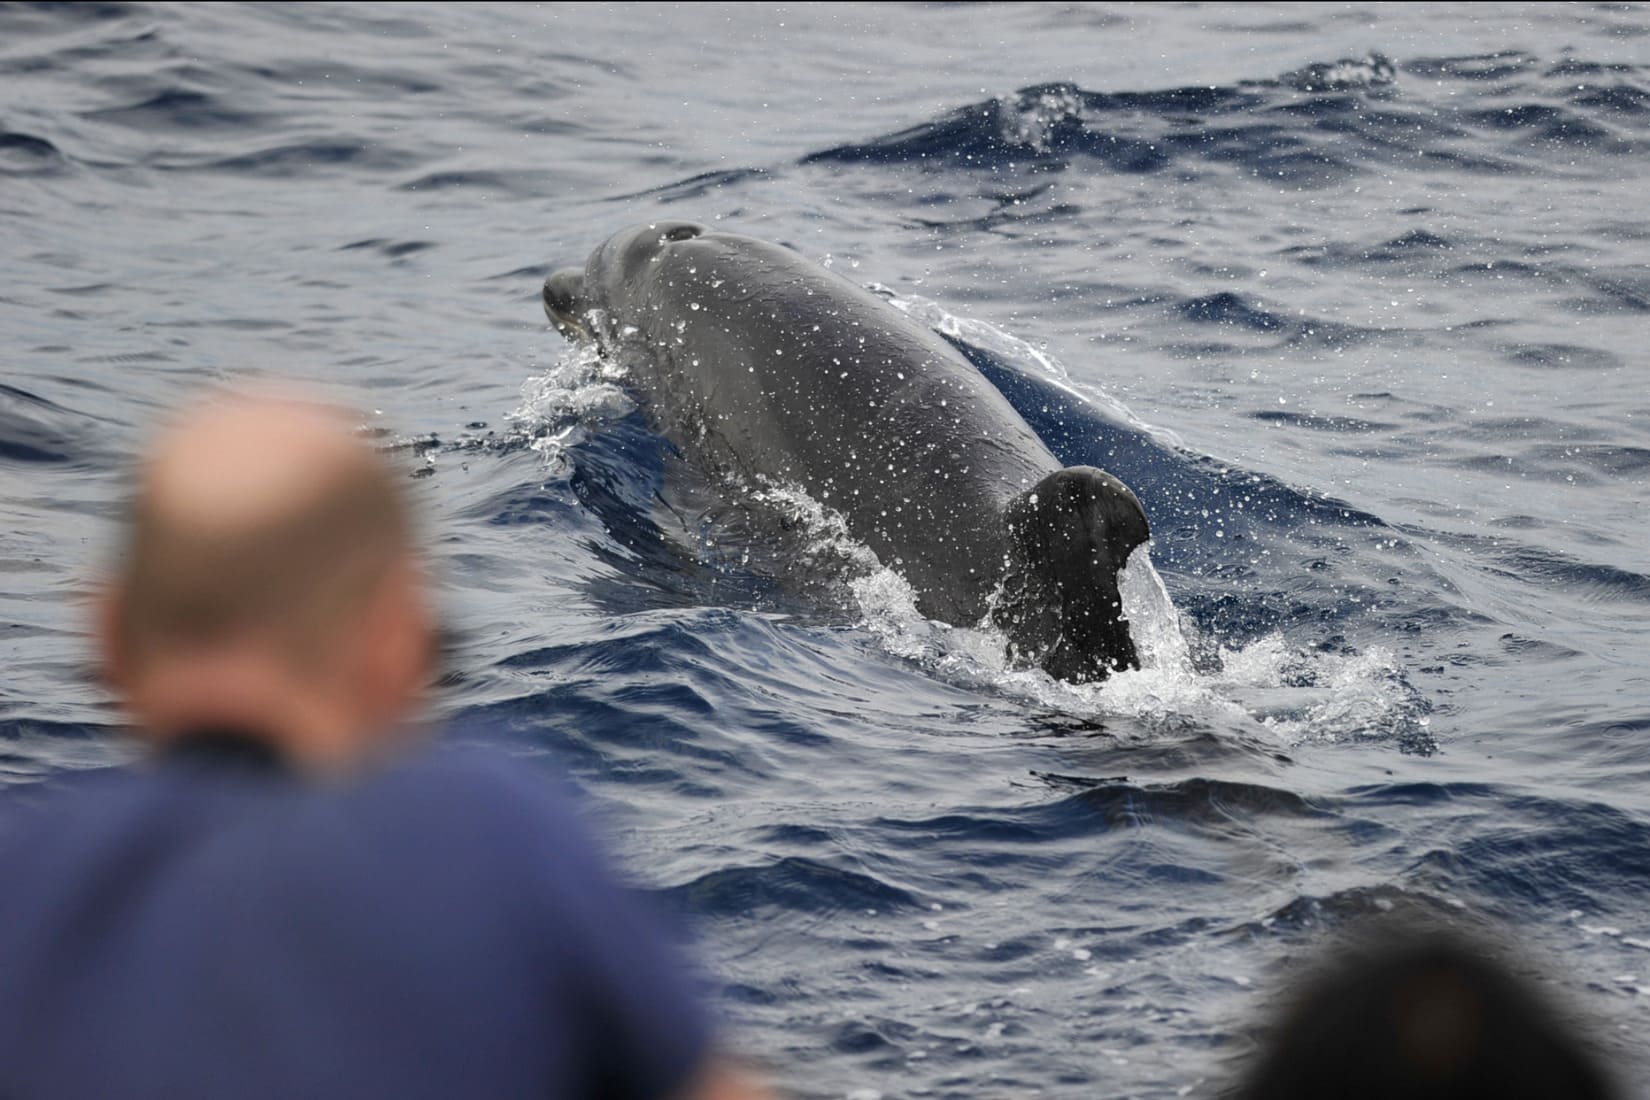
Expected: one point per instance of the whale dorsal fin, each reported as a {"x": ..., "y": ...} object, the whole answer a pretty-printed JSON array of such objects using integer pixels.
[{"x": 1069, "y": 536}]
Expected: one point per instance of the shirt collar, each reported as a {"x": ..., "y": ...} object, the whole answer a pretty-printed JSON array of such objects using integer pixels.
[{"x": 227, "y": 746}]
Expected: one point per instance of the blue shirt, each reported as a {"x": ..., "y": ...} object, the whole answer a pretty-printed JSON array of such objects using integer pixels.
[{"x": 207, "y": 925}]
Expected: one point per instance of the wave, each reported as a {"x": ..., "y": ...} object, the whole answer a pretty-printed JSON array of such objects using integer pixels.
[
  {"x": 1314, "y": 127},
  {"x": 792, "y": 883},
  {"x": 33, "y": 749},
  {"x": 393, "y": 250},
  {"x": 1146, "y": 132},
  {"x": 181, "y": 109},
  {"x": 1558, "y": 854},
  {"x": 28, "y": 155},
  {"x": 35, "y": 430},
  {"x": 299, "y": 159}
]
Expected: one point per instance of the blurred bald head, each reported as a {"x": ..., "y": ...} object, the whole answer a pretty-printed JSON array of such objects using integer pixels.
[{"x": 269, "y": 585}]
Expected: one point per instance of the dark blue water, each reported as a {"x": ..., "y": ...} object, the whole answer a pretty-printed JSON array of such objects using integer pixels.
[{"x": 1356, "y": 298}]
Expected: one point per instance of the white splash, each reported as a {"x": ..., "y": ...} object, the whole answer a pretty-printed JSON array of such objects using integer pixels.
[
  {"x": 1369, "y": 71},
  {"x": 1154, "y": 624},
  {"x": 1030, "y": 120},
  {"x": 558, "y": 408},
  {"x": 1305, "y": 697},
  {"x": 1290, "y": 694},
  {"x": 825, "y": 530}
]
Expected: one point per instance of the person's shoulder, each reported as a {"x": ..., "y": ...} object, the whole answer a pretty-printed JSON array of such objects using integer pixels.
[
  {"x": 505, "y": 802},
  {"x": 71, "y": 819},
  {"x": 74, "y": 795},
  {"x": 503, "y": 826},
  {"x": 473, "y": 779},
  {"x": 501, "y": 834}
]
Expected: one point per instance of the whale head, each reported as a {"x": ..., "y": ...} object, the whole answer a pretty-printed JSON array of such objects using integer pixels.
[
  {"x": 1060, "y": 605},
  {"x": 615, "y": 276}
]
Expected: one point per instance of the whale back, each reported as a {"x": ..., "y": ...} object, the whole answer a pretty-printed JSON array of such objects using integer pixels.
[
  {"x": 773, "y": 370},
  {"x": 776, "y": 369}
]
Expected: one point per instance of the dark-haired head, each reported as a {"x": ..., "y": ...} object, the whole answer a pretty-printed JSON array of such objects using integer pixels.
[{"x": 1421, "y": 1015}]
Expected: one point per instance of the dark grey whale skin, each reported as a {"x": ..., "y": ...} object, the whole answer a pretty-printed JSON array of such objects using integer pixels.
[{"x": 755, "y": 361}]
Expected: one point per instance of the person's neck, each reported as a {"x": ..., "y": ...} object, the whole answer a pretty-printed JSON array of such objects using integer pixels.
[
  {"x": 228, "y": 745},
  {"x": 321, "y": 746}
]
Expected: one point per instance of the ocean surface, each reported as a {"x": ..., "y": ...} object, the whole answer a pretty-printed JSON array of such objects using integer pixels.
[{"x": 1356, "y": 297}]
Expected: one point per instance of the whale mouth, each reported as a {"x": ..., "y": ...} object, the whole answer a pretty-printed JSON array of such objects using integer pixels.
[{"x": 563, "y": 294}]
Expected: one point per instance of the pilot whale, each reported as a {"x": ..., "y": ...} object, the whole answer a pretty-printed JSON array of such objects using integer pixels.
[{"x": 765, "y": 365}]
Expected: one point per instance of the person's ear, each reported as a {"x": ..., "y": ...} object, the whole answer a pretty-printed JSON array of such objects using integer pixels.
[
  {"x": 419, "y": 663},
  {"x": 110, "y": 635},
  {"x": 401, "y": 643}
]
